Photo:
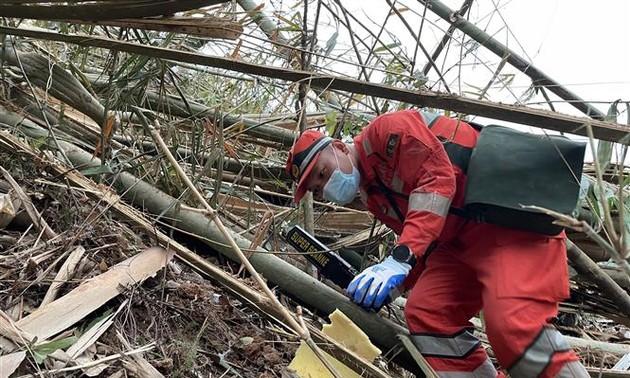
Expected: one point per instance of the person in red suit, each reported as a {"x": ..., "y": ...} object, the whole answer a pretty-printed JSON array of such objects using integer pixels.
[{"x": 452, "y": 267}]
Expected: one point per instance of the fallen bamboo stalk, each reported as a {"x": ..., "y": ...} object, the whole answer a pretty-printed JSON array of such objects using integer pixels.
[
  {"x": 208, "y": 27},
  {"x": 606, "y": 373},
  {"x": 93, "y": 11},
  {"x": 596, "y": 346},
  {"x": 302, "y": 331}
]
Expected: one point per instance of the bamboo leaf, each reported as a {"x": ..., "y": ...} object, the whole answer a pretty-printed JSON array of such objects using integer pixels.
[
  {"x": 386, "y": 47},
  {"x": 41, "y": 351},
  {"x": 604, "y": 153},
  {"x": 291, "y": 25}
]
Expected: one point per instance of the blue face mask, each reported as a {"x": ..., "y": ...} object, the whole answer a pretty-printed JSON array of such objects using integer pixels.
[{"x": 342, "y": 187}]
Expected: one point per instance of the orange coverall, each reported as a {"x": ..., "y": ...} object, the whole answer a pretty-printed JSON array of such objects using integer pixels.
[{"x": 516, "y": 277}]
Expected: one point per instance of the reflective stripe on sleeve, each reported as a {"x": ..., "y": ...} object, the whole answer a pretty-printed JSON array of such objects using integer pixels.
[
  {"x": 397, "y": 184},
  {"x": 431, "y": 202},
  {"x": 457, "y": 346},
  {"x": 367, "y": 147},
  {"x": 537, "y": 356},
  {"x": 485, "y": 370}
]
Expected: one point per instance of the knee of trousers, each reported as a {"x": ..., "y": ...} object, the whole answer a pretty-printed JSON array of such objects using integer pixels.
[
  {"x": 516, "y": 325},
  {"x": 419, "y": 318},
  {"x": 423, "y": 317}
]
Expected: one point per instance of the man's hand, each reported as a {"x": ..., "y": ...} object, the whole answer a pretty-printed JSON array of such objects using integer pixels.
[{"x": 372, "y": 288}]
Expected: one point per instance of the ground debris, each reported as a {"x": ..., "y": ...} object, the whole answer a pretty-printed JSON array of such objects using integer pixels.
[{"x": 187, "y": 325}]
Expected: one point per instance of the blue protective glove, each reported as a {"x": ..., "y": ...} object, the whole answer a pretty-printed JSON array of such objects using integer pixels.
[{"x": 372, "y": 288}]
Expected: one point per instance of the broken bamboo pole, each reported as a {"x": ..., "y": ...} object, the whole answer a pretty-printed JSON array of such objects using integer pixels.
[{"x": 93, "y": 11}]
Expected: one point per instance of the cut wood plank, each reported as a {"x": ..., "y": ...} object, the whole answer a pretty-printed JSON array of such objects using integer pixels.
[{"x": 55, "y": 317}]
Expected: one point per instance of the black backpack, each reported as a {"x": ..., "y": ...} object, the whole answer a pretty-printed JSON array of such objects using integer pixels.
[{"x": 509, "y": 168}]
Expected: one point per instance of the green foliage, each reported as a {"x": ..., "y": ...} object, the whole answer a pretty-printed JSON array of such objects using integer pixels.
[
  {"x": 290, "y": 24},
  {"x": 331, "y": 120},
  {"x": 41, "y": 351},
  {"x": 97, "y": 171}
]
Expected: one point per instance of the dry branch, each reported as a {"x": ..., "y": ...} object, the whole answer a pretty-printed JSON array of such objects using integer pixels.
[
  {"x": 36, "y": 217},
  {"x": 593, "y": 273}
]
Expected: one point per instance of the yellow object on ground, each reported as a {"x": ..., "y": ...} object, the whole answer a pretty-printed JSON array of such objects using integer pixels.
[{"x": 345, "y": 332}]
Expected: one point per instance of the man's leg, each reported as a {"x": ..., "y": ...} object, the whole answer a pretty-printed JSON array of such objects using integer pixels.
[
  {"x": 523, "y": 281},
  {"x": 438, "y": 310}
]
